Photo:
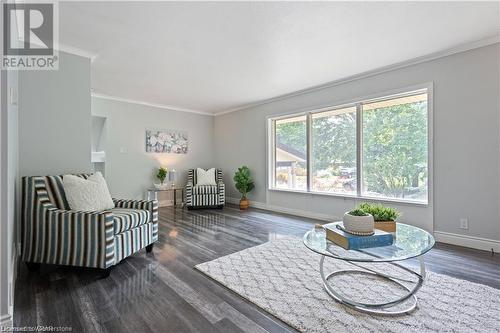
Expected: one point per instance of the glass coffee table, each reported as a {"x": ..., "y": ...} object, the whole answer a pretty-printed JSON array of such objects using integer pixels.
[{"x": 410, "y": 242}]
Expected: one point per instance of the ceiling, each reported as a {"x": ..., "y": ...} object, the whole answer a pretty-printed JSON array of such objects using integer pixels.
[{"x": 217, "y": 56}]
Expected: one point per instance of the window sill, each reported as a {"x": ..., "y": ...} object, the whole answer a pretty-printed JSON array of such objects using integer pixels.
[{"x": 354, "y": 197}]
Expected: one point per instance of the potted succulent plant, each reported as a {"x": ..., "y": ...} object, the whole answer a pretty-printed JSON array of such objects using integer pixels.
[
  {"x": 385, "y": 217},
  {"x": 244, "y": 184},
  {"x": 358, "y": 221}
]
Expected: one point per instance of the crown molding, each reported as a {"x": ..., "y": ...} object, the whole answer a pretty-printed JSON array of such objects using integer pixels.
[
  {"x": 160, "y": 106},
  {"x": 69, "y": 49},
  {"x": 76, "y": 51},
  {"x": 429, "y": 57}
]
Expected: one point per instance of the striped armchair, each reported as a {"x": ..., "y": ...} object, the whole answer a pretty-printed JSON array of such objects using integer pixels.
[
  {"x": 205, "y": 196},
  {"x": 52, "y": 233}
]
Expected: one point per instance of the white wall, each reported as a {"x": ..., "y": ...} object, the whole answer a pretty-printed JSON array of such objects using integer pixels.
[
  {"x": 466, "y": 142},
  {"x": 54, "y": 118},
  {"x": 129, "y": 169},
  {"x": 13, "y": 185},
  {"x": 9, "y": 192},
  {"x": 46, "y": 132},
  {"x": 5, "y": 246}
]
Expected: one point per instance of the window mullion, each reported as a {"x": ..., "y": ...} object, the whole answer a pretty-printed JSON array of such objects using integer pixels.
[
  {"x": 359, "y": 150},
  {"x": 273, "y": 155},
  {"x": 309, "y": 151}
]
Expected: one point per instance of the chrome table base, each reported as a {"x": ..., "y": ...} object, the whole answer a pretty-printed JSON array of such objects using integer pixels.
[{"x": 377, "y": 308}]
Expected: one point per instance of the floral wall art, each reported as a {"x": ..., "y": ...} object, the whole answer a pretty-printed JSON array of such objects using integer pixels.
[{"x": 166, "y": 141}]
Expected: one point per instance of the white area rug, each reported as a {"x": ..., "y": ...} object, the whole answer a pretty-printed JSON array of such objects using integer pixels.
[{"x": 282, "y": 277}]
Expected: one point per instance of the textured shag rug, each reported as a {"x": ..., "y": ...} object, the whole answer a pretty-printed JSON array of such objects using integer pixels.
[{"x": 282, "y": 277}]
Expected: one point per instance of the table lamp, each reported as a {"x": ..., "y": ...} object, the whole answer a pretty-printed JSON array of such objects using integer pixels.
[{"x": 172, "y": 175}]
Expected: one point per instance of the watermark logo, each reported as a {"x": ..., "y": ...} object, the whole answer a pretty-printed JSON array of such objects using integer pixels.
[{"x": 30, "y": 36}]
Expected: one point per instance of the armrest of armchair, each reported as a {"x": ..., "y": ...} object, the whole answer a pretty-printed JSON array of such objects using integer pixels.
[
  {"x": 189, "y": 193},
  {"x": 71, "y": 237},
  {"x": 151, "y": 205},
  {"x": 221, "y": 187}
]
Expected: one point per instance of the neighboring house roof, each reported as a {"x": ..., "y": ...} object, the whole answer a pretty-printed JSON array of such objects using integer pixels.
[{"x": 291, "y": 153}]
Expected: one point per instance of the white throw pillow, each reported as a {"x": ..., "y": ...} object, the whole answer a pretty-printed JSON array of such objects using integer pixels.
[
  {"x": 89, "y": 194},
  {"x": 205, "y": 177}
]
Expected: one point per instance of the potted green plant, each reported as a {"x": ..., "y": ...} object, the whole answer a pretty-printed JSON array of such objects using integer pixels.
[
  {"x": 358, "y": 221},
  {"x": 385, "y": 217},
  {"x": 161, "y": 175},
  {"x": 244, "y": 183}
]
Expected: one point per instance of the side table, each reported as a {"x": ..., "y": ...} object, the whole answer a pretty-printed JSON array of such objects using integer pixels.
[{"x": 152, "y": 193}]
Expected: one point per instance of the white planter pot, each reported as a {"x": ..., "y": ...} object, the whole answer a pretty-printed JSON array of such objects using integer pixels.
[
  {"x": 361, "y": 224},
  {"x": 161, "y": 186}
]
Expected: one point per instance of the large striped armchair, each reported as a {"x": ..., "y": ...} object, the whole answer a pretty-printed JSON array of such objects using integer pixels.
[
  {"x": 205, "y": 196},
  {"x": 52, "y": 233}
]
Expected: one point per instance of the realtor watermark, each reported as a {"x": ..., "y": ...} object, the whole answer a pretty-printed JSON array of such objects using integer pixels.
[
  {"x": 30, "y": 36},
  {"x": 39, "y": 328}
]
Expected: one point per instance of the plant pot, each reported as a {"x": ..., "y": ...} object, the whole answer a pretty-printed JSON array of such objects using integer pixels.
[
  {"x": 244, "y": 204},
  {"x": 358, "y": 224},
  {"x": 161, "y": 186},
  {"x": 387, "y": 226}
]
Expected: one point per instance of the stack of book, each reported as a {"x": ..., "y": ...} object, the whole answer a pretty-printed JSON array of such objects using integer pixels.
[{"x": 348, "y": 241}]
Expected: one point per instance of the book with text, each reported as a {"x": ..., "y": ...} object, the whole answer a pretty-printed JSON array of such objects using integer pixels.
[{"x": 353, "y": 242}]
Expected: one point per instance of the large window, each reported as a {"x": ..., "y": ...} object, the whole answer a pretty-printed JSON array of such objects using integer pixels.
[
  {"x": 291, "y": 153},
  {"x": 333, "y": 158},
  {"x": 374, "y": 149}
]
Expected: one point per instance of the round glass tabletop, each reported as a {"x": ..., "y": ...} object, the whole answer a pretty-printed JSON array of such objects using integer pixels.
[{"x": 409, "y": 242}]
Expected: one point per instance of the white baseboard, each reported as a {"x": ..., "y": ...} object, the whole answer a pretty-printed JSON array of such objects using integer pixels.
[
  {"x": 6, "y": 322},
  {"x": 467, "y": 241},
  {"x": 285, "y": 210},
  {"x": 440, "y": 236},
  {"x": 12, "y": 284}
]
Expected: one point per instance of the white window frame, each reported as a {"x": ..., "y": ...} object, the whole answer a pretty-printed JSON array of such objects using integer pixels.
[{"x": 354, "y": 102}]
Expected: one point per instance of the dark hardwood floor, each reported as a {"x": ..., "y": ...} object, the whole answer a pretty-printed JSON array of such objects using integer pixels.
[{"x": 162, "y": 292}]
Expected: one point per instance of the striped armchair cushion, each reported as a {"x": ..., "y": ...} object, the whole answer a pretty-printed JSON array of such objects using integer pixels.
[
  {"x": 205, "y": 189},
  {"x": 55, "y": 190},
  {"x": 126, "y": 218},
  {"x": 204, "y": 200},
  {"x": 192, "y": 176}
]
